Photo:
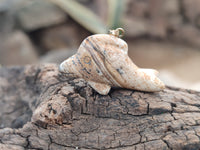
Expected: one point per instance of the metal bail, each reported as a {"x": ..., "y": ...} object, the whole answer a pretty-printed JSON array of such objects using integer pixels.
[{"x": 119, "y": 32}]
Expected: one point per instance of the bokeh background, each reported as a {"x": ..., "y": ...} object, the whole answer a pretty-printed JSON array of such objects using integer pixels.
[{"x": 161, "y": 34}]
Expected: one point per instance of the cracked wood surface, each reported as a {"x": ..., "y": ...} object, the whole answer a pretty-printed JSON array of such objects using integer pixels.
[{"x": 42, "y": 109}]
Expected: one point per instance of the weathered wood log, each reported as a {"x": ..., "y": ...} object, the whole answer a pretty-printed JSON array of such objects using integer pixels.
[{"x": 42, "y": 109}]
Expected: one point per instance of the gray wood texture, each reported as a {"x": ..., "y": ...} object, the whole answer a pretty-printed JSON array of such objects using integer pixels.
[{"x": 43, "y": 109}]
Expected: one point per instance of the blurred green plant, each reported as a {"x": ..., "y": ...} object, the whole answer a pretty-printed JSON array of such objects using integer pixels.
[
  {"x": 89, "y": 19},
  {"x": 115, "y": 13}
]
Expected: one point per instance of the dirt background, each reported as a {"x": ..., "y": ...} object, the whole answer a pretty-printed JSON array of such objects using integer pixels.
[{"x": 161, "y": 34}]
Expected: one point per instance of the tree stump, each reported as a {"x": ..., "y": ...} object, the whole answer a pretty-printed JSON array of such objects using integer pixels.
[{"x": 43, "y": 109}]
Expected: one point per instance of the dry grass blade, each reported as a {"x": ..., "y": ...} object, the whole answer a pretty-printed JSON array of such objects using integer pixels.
[{"x": 82, "y": 15}]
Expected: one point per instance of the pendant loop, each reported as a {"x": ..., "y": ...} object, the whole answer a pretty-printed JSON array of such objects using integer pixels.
[{"x": 119, "y": 32}]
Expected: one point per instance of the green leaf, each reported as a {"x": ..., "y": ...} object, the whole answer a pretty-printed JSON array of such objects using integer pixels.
[
  {"x": 115, "y": 12},
  {"x": 82, "y": 15}
]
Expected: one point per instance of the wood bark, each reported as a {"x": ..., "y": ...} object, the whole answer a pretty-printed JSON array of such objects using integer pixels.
[{"x": 43, "y": 109}]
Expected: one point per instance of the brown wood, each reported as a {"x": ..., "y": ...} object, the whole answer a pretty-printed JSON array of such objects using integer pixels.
[{"x": 42, "y": 109}]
